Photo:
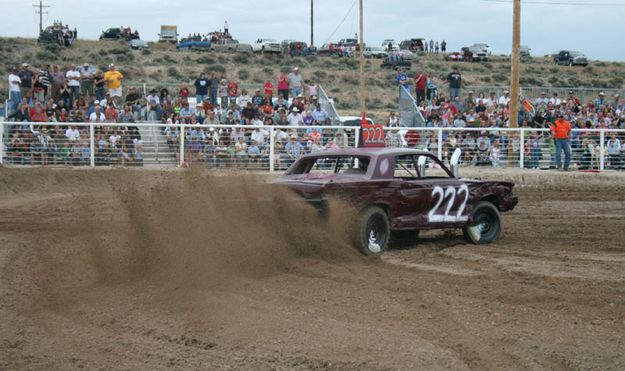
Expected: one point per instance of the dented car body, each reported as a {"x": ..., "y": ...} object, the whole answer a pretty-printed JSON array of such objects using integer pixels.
[{"x": 412, "y": 187}]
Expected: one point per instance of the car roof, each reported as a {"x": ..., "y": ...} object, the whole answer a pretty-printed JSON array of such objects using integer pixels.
[{"x": 371, "y": 152}]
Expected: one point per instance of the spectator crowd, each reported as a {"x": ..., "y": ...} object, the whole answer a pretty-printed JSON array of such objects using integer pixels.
[
  {"x": 455, "y": 108},
  {"x": 82, "y": 94}
]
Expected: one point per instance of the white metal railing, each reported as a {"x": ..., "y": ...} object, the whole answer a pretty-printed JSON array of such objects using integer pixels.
[{"x": 275, "y": 147}]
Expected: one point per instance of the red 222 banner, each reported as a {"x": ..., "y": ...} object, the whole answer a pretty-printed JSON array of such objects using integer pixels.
[{"x": 372, "y": 134}]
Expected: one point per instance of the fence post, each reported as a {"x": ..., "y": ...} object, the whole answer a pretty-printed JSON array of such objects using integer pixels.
[
  {"x": 272, "y": 142},
  {"x": 601, "y": 149},
  {"x": 522, "y": 149},
  {"x": 440, "y": 144},
  {"x": 1, "y": 143},
  {"x": 92, "y": 144},
  {"x": 356, "y": 137},
  {"x": 181, "y": 145}
]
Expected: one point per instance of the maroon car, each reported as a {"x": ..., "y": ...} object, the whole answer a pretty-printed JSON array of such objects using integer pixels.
[{"x": 400, "y": 190}]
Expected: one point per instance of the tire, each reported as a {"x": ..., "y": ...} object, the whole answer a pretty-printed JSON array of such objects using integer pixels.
[
  {"x": 486, "y": 226},
  {"x": 372, "y": 231}
]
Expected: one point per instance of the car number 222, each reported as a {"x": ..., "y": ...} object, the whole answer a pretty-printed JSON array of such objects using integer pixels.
[{"x": 445, "y": 200}]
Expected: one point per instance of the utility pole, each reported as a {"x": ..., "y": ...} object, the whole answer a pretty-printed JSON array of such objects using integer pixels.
[
  {"x": 363, "y": 108},
  {"x": 41, "y": 13},
  {"x": 515, "y": 70},
  {"x": 312, "y": 28}
]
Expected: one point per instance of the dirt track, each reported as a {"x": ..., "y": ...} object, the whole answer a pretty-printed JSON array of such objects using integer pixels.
[{"x": 140, "y": 269}]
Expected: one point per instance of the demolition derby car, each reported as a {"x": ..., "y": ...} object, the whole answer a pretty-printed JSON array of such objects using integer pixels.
[{"x": 400, "y": 191}]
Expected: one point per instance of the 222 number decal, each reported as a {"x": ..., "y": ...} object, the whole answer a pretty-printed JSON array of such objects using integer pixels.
[
  {"x": 373, "y": 135},
  {"x": 449, "y": 194}
]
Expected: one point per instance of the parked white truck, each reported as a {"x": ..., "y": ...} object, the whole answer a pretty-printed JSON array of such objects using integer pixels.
[{"x": 168, "y": 34}]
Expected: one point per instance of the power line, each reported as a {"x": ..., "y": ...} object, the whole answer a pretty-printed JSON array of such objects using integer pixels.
[
  {"x": 558, "y": 3},
  {"x": 342, "y": 21},
  {"x": 41, "y": 13}
]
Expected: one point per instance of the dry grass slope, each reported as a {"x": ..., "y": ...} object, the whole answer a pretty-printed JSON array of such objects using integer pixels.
[{"x": 162, "y": 63}]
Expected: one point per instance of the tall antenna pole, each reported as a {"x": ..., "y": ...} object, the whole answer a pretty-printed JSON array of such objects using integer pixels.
[
  {"x": 312, "y": 28},
  {"x": 363, "y": 107},
  {"x": 41, "y": 13}
]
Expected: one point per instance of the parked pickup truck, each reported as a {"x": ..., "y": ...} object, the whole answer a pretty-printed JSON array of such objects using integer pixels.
[
  {"x": 266, "y": 46},
  {"x": 231, "y": 45},
  {"x": 570, "y": 58}
]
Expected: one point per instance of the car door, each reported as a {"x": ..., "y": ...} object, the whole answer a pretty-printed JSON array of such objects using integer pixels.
[
  {"x": 447, "y": 195},
  {"x": 411, "y": 198}
]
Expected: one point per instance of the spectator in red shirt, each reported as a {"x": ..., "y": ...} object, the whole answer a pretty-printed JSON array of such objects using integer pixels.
[
  {"x": 268, "y": 90},
  {"x": 420, "y": 82},
  {"x": 184, "y": 92},
  {"x": 233, "y": 89}
]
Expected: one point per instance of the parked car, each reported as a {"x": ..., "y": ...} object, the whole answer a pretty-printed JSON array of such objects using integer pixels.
[
  {"x": 397, "y": 191},
  {"x": 524, "y": 51},
  {"x": 481, "y": 47},
  {"x": 472, "y": 54},
  {"x": 375, "y": 52},
  {"x": 138, "y": 44},
  {"x": 394, "y": 45},
  {"x": 570, "y": 58},
  {"x": 298, "y": 48},
  {"x": 326, "y": 50},
  {"x": 408, "y": 55},
  {"x": 454, "y": 57},
  {"x": 186, "y": 44},
  {"x": 266, "y": 46},
  {"x": 395, "y": 63},
  {"x": 414, "y": 45},
  {"x": 231, "y": 45},
  {"x": 116, "y": 33}
]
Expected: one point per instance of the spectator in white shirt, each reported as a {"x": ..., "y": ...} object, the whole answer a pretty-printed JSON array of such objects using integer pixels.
[
  {"x": 97, "y": 115},
  {"x": 14, "y": 89},
  {"x": 295, "y": 118},
  {"x": 73, "y": 81},
  {"x": 504, "y": 99},
  {"x": 555, "y": 100},
  {"x": 72, "y": 133}
]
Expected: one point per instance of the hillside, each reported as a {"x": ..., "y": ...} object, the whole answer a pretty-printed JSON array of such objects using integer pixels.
[{"x": 162, "y": 64}]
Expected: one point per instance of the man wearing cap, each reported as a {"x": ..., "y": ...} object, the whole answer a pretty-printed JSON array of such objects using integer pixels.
[
  {"x": 86, "y": 80},
  {"x": 561, "y": 131},
  {"x": 26, "y": 76},
  {"x": 113, "y": 80},
  {"x": 600, "y": 101},
  {"x": 295, "y": 80},
  {"x": 14, "y": 89}
]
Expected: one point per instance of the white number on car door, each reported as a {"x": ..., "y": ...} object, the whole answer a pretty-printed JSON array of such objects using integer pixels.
[{"x": 440, "y": 213}]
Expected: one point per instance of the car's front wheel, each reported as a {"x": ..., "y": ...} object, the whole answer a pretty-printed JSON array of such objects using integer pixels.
[
  {"x": 486, "y": 226},
  {"x": 372, "y": 231}
]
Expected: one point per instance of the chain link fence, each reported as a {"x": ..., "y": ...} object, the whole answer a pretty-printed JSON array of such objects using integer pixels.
[{"x": 274, "y": 148}]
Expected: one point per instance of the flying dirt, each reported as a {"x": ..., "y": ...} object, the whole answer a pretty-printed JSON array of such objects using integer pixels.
[{"x": 148, "y": 269}]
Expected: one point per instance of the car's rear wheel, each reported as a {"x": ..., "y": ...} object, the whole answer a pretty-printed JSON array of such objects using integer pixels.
[
  {"x": 486, "y": 226},
  {"x": 372, "y": 231}
]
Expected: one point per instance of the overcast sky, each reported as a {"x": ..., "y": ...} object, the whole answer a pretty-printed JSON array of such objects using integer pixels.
[{"x": 595, "y": 30}]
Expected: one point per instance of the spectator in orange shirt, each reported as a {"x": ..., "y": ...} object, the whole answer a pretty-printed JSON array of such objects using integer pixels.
[
  {"x": 561, "y": 131},
  {"x": 268, "y": 87}
]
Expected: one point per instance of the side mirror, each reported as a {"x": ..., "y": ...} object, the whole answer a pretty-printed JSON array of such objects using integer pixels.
[
  {"x": 421, "y": 166},
  {"x": 454, "y": 161}
]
